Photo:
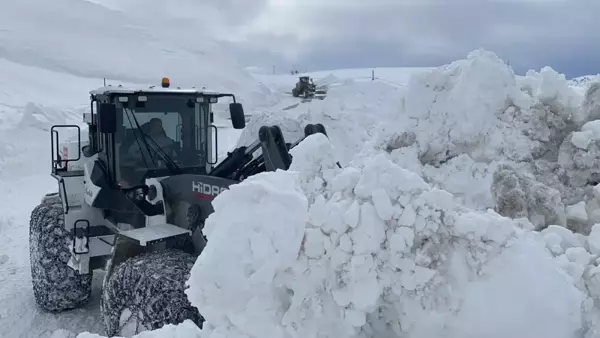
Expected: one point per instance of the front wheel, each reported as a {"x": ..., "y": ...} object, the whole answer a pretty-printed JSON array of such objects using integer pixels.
[
  {"x": 56, "y": 286},
  {"x": 146, "y": 292}
]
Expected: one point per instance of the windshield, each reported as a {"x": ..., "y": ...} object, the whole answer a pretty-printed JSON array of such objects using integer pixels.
[{"x": 161, "y": 133}]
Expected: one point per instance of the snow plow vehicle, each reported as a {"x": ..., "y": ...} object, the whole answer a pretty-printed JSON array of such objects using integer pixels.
[
  {"x": 132, "y": 199},
  {"x": 307, "y": 89}
]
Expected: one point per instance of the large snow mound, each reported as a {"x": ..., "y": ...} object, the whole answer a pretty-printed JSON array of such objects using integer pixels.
[{"x": 319, "y": 251}]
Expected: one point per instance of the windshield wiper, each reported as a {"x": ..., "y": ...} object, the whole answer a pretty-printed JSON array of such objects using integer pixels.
[
  {"x": 170, "y": 164},
  {"x": 137, "y": 139}
]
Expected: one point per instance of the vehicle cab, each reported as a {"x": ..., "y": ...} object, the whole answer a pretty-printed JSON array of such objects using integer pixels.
[{"x": 142, "y": 133}]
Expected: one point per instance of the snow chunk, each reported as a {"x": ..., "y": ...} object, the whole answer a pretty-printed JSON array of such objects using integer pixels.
[
  {"x": 594, "y": 240},
  {"x": 591, "y": 101},
  {"x": 592, "y": 127},
  {"x": 394, "y": 180},
  {"x": 519, "y": 195},
  {"x": 382, "y": 204},
  {"x": 596, "y": 192},
  {"x": 589, "y": 132},
  {"x": 577, "y": 212},
  {"x": 262, "y": 220},
  {"x": 582, "y": 139}
]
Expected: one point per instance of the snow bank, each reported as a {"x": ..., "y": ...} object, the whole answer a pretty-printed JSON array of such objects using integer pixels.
[
  {"x": 455, "y": 125},
  {"x": 319, "y": 251}
]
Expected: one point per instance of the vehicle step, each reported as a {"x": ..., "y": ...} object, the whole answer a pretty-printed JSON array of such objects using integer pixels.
[{"x": 155, "y": 233}]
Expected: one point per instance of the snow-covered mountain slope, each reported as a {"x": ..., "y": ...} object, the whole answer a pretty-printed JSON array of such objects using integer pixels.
[
  {"x": 401, "y": 241},
  {"x": 91, "y": 41}
]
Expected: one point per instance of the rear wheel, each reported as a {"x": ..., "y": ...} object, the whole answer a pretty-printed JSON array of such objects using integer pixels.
[
  {"x": 56, "y": 286},
  {"x": 146, "y": 292}
]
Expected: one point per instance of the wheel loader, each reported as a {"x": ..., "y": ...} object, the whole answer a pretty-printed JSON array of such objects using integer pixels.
[
  {"x": 132, "y": 198},
  {"x": 307, "y": 89}
]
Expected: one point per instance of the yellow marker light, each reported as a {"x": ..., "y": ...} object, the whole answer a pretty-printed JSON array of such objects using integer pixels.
[{"x": 165, "y": 83}]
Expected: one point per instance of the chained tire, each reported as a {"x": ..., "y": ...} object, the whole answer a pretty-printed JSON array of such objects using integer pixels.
[
  {"x": 56, "y": 286},
  {"x": 146, "y": 292}
]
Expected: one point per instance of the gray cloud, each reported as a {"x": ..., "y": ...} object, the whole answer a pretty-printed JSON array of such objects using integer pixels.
[{"x": 358, "y": 33}]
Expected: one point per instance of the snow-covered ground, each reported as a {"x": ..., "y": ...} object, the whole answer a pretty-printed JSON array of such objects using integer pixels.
[{"x": 465, "y": 206}]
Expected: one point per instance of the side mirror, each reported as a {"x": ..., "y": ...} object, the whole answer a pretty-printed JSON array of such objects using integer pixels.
[
  {"x": 107, "y": 118},
  {"x": 236, "y": 111}
]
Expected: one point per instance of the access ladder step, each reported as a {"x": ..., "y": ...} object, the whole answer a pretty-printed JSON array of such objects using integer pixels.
[{"x": 155, "y": 233}]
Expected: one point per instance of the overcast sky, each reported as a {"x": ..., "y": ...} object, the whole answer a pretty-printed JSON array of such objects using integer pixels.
[{"x": 325, "y": 34}]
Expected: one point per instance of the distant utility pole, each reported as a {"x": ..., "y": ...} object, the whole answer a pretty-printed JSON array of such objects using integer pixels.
[
  {"x": 273, "y": 69},
  {"x": 372, "y": 74}
]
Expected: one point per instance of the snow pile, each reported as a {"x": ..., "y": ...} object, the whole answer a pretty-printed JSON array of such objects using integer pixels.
[
  {"x": 371, "y": 251},
  {"x": 454, "y": 109},
  {"x": 525, "y": 124},
  {"x": 454, "y": 125},
  {"x": 477, "y": 107},
  {"x": 473, "y": 118}
]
